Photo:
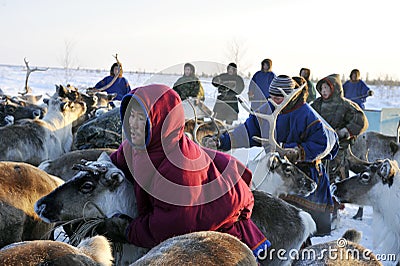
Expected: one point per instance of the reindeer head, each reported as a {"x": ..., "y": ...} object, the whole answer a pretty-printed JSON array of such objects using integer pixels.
[
  {"x": 92, "y": 192},
  {"x": 278, "y": 176},
  {"x": 364, "y": 187}
]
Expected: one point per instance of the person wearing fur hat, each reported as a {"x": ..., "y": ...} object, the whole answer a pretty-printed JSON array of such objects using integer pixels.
[
  {"x": 229, "y": 85},
  {"x": 306, "y": 138},
  {"x": 346, "y": 117},
  {"x": 259, "y": 85},
  {"x": 189, "y": 84},
  {"x": 356, "y": 90},
  {"x": 120, "y": 85}
]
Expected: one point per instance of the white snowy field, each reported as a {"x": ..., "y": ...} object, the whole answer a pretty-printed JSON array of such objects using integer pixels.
[{"x": 12, "y": 80}]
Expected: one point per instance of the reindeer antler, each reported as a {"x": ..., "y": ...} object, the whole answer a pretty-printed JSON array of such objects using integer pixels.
[
  {"x": 211, "y": 115},
  {"x": 28, "y": 72},
  {"x": 91, "y": 167},
  {"x": 271, "y": 118}
]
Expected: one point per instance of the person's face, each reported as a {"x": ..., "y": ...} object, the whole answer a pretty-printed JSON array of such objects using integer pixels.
[
  {"x": 265, "y": 67},
  {"x": 231, "y": 70},
  {"x": 187, "y": 71},
  {"x": 116, "y": 70},
  {"x": 325, "y": 91},
  {"x": 354, "y": 77},
  {"x": 277, "y": 99},
  {"x": 137, "y": 124},
  {"x": 303, "y": 74}
]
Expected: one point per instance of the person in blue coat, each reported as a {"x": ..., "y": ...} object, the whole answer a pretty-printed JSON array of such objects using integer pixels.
[
  {"x": 306, "y": 138},
  {"x": 120, "y": 85},
  {"x": 356, "y": 90},
  {"x": 259, "y": 85}
]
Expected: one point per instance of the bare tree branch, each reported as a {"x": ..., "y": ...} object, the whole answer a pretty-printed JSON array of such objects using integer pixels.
[{"x": 236, "y": 53}]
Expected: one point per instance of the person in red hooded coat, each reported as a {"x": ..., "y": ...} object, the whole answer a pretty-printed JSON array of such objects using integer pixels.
[{"x": 179, "y": 186}]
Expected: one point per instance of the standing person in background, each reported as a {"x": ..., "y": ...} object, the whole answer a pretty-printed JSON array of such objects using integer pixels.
[
  {"x": 114, "y": 83},
  {"x": 189, "y": 84},
  {"x": 312, "y": 94},
  {"x": 348, "y": 120},
  {"x": 356, "y": 90},
  {"x": 344, "y": 116},
  {"x": 229, "y": 85},
  {"x": 259, "y": 84}
]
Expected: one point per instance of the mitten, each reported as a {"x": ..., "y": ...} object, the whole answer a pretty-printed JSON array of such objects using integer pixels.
[{"x": 114, "y": 228}]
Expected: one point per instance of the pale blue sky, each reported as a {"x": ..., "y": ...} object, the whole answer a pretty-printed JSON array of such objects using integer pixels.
[{"x": 326, "y": 36}]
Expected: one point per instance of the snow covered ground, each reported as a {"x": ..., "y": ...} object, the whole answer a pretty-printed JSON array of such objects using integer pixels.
[{"x": 12, "y": 80}]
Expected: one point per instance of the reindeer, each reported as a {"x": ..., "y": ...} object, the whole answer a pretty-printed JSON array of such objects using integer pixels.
[
  {"x": 28, "y": 72},
  {"x": 91, "y": 251},
  {"x": 199, "y": 248},
  {"x": 377, "y": 186},
  {"x": 374, "y": 145},
  {"x": 21, "y": 185},
  {"x": 196, "y": 126},
  {"x": 63, "y": 165},
  {"x": 12, "y": 109},
  {"x": 37, "y": 140},
  {"x": 100, "y": 190}
]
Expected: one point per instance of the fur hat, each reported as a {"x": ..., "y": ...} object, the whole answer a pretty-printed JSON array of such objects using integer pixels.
[
  {"x": 232, "y": 65},
  {"x": 190, "y": 66},
  {"x": 284, "y": 82}
]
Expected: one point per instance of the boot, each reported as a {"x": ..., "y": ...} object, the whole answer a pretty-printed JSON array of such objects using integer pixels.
[
  {"x": 359, "y": 214},
  {"x": 323, "y": 222}
]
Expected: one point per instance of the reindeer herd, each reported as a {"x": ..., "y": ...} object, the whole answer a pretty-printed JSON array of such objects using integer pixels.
[{"x": 44, "y": 184}]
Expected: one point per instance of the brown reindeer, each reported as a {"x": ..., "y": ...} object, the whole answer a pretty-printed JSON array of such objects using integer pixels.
[
  {"x": 95, "y": 251},
  {"x": 199, "y": 248},
  {"x": 21, "y": 185}
]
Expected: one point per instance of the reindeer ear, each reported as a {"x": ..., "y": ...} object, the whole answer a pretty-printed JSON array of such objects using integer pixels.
[
  {"x": 104, "y": 157},
  {"x": 62, "y": 91},
  {"x": 387, "y": 171}
]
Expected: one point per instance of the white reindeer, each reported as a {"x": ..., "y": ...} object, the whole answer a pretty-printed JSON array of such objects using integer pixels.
[{"x": 378, "y": 186}]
